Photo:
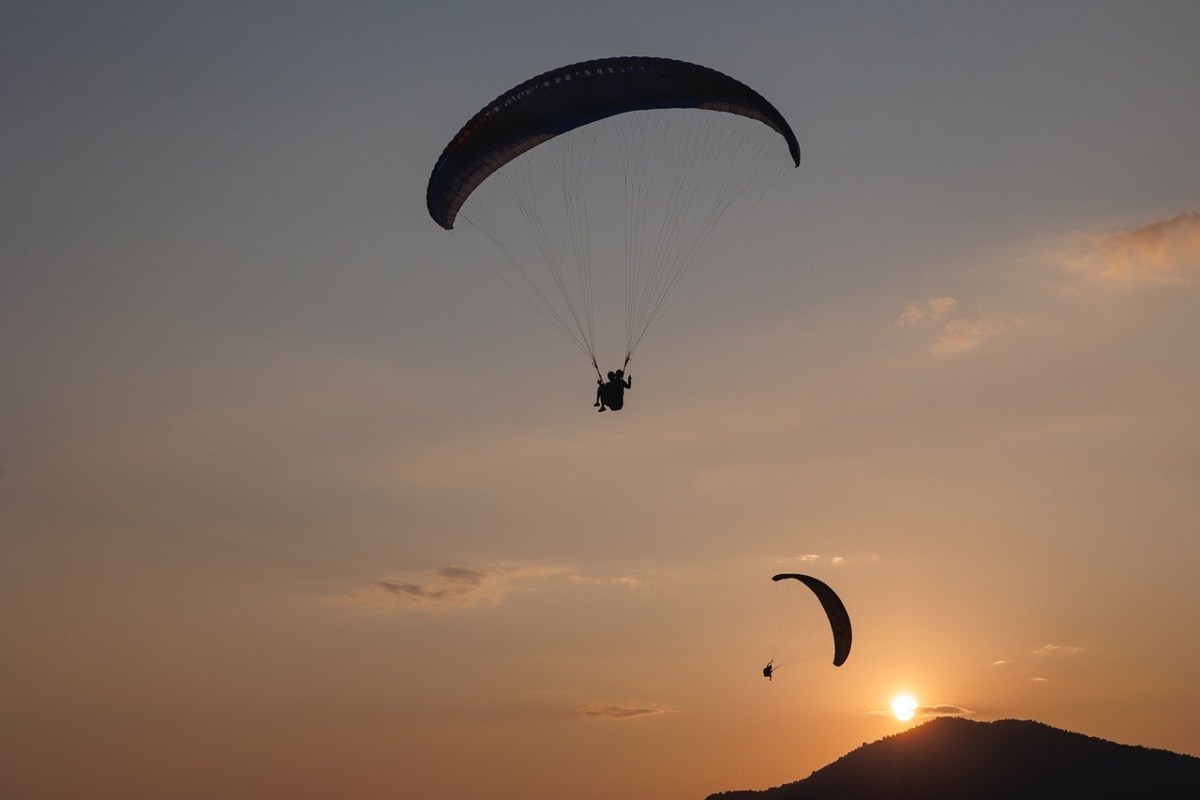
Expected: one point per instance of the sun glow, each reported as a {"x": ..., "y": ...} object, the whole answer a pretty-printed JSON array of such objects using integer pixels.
[{"x": 904, "y": 706}]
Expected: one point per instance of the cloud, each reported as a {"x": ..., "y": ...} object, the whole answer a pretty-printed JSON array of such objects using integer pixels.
[
  {"x": 938, "y": 710},
  {"x": 447, "y": 588},
  {"x": 462, "y": 587},
  {"x": 807, "y": 558},
  {"x": 1041, "y": 655},
  {"x": 952, "y": 331},
  {"x": 936, "y": 309},
  {"x": 1057, "y": 650},
  {"x": 1165, "y": 251},
  {"x": 960, "y": 335},
  {"x": 813, "y": 558},
  {"x": 621, "y": 711},
  {"x": 943, "y": 710}
]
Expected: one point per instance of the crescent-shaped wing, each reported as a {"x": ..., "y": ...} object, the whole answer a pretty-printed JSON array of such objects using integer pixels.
[
  {"x": 839, "y": 619},
  {"x": 573, "y": 96}
]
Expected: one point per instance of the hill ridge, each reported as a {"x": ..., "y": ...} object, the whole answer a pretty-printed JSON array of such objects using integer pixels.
[{"x": 951, "y": 757}]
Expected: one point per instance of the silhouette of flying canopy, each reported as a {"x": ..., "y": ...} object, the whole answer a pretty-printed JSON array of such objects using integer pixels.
[
  {"x": 839, "y": 619},
  {"x": 570, "y": 97}
]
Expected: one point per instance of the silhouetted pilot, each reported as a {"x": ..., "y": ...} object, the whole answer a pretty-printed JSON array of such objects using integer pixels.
[
  {"x": 600, "y": 389},
  {"x": 768, "y": 670},
  {"x": 612, "y": 394}
]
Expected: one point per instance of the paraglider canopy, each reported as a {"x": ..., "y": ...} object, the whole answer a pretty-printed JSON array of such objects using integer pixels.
[
  {"x": 835, "y": 610},
  {"x": 632, "y": 169},
  {"x": 573, "y": 96}
]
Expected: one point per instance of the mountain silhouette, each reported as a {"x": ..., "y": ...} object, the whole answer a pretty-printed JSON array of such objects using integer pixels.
[{"x": 951, "y": 757}]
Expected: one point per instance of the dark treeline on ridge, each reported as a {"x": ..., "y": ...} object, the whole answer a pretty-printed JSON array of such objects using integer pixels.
[{"x": 959, "y": 758}]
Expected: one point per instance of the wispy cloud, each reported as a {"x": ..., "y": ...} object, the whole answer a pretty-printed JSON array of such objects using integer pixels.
[
  {"x": 806, "y": 558},
  {"x": 1164, "y": 251},
  {"x": 621, "y": 710},
  {"x": 458, "y": 587},
  {"x": 943, "y": 710},
  {"x": 446, "y": 588},
  {"x": 938, "y": 710},
  {"x": 817, "y": 558},
  {"x": 1032, "y": 665},
  {"x": 961, "y": 335},
  {"x": 1057, "y": 650},
  {"x": 935, "y": 309},
  {"x": 953, "y": 331}
]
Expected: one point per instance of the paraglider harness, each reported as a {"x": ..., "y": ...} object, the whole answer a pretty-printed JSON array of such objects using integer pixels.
[{"x": 602, "y": 398}]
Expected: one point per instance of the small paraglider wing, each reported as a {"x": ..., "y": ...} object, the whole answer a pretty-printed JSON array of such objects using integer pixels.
[
  {"x": 570, "y": 97},
  {"x": 835, "y": 610}
]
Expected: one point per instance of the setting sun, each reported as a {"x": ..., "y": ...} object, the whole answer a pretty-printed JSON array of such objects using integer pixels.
[{"x": 904, "y": 706}]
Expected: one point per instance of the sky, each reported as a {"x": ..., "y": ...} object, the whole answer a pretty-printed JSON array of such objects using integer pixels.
[{"x": 297, "y": 500}]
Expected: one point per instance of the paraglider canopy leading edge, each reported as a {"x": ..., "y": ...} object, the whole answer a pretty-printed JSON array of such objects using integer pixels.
[{"x": 685, "y": 176}]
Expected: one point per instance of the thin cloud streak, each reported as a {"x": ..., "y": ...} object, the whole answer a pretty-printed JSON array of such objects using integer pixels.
[
  {"x": 817, "y": 558},
  {"x": 458, "y": 587},
  {"x": 1057, "y": 650},
  {"x": 936, "y": 710},
  {"x": 447, "y": 588},
  {"x": 943, "y": 710},
  {"x": 621, "y": 711}
]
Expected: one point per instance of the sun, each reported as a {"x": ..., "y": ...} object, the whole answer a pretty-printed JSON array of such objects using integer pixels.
[{"x": 904, "y": 706}]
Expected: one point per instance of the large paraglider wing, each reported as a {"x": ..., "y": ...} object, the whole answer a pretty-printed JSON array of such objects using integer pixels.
[
  {"x": 573, "y": 96},
  {"x": 839, "y": 619}
]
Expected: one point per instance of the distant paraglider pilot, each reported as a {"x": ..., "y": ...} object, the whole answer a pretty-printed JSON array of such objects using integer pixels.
[
  {"x": 611, "y": 394},
  {"x": 769, "y": 670}
]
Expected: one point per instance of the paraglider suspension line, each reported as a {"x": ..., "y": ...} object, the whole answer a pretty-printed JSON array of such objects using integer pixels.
[{"x": 600, "y": 375}]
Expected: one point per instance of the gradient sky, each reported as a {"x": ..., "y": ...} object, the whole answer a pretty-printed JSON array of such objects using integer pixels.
[{"x": 297, "y": 501}]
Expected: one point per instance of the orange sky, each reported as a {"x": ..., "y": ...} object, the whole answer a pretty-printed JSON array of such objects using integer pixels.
[{"x": 296, "y": 501}]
